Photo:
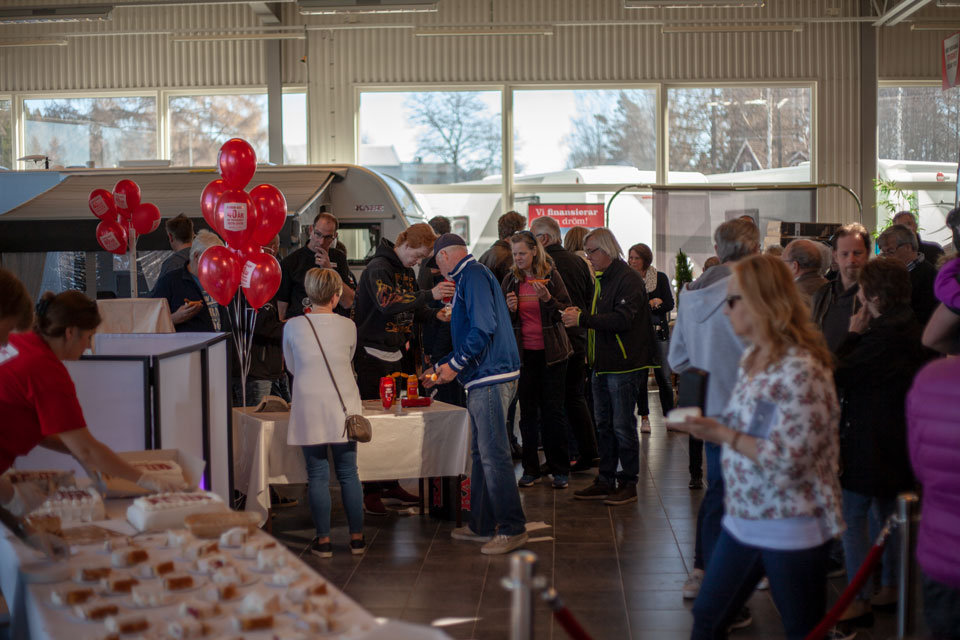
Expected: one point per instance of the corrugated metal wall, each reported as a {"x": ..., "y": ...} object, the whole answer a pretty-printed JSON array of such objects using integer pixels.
[{"x": 337, "y": 61}]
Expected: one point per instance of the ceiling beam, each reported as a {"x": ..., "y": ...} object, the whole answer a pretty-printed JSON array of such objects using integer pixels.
[{"x": 267, "y": 12}]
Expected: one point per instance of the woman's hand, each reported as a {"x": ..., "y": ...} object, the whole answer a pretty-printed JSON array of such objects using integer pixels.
[
  {"x": 860, "y": 320},
  {"x": 655, "y": 303},
  {"x": 512, "y": 302},
  {"x": 542, "y": 292},
  {"x": 705, "y": 429}
]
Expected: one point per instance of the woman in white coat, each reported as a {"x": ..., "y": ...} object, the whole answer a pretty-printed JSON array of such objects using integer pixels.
[{"x": 316, "y": 416}]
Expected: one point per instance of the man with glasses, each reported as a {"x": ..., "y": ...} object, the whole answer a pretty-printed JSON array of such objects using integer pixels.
[
  {"x": 804, "y": 259},
  {"x": 703, "y": 338},
  {"x": 320, "y": 251},
  {"x": 930, "y": 250},
  {"x": 901, "y": 244}
]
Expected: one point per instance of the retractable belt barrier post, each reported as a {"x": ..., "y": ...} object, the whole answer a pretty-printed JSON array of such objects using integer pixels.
[{"x": 524, "y": 584}]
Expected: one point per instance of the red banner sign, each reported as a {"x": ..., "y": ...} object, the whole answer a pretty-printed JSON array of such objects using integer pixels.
[{"x": 569, "y": 215}]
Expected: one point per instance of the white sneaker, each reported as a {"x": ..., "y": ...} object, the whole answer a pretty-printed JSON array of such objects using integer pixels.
[
  {"x": 504, "y": 544},
  {"x": 466, "y": 533},
  {"x": 644, "y": 425},
  {"x": 764, "y": 584},
  {"x": 692, "y": 586}
]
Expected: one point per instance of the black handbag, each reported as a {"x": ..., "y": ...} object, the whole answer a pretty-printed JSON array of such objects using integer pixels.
[{"x": 356, "y": 427}]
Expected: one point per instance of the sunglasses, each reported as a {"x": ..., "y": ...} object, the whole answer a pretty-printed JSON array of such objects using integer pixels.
[{"x": 732, "y": 300}]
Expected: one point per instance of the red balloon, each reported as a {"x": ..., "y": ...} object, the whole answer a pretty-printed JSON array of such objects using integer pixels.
[
  {"x": 260, "y": 278},
  {"x": 208, "y": 202},
  {"x": 248, "y": 248},
  {"x": 238, "y": 162},
  {"x": 126, "y": 196},
  {"x": 273, "y": 212},
  {"x": 101, "y": 204},
  {"x": 237, "y": 217},
  {"x": 112, "y": 237},
  {"x": 145, "y": 218},
  {"x": 219, "y": 273}
]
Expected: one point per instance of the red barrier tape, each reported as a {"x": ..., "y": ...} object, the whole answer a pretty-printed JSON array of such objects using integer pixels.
[
  {"x": 570, "y": 624},
  {"x": 850, "y": 592}
]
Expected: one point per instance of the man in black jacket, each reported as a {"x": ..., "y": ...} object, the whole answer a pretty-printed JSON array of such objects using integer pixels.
[
  {"x": 901, "y": 244},
  {"x": 930, "y": 250},
  {"x": 579, "y": 282},
  {"x": 835, "y": 302},
  {"x": 620, "y": 347}
]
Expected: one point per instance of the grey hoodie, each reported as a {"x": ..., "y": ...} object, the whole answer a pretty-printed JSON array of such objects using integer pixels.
[{"x": 703, "y": 337}]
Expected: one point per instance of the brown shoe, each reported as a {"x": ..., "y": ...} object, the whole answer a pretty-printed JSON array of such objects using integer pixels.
[
  {"x": 624, "y": 494},
  {"x": 373, "y": 505}
]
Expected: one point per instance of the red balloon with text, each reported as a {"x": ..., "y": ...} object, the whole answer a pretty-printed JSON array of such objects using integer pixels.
[
  {"x": 218, "y": 271},
  {"x": 126, "y": 197},
  {"x": 208, "y": 202},
  {"x": 237, "y": 216},
  {"x": 101, "y": 204},
  {"x": 237, "y": 162},
  {"x": 145, "y": 218},
  {"x": 273, "y": 212},
  {"x": 260, "y": 278},
  {"x": 112, "y": 237},
  {"x": 248, "y": 248}
]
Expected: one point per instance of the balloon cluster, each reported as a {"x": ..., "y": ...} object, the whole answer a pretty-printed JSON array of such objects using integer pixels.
[
  {"x": 246, "y": 221},
  {"x": 120, "y": 211}
]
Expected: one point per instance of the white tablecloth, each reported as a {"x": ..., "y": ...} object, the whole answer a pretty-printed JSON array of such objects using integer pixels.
[
  {"x": 135, "y": 315},
  {"x": 33, "y": 617},
  {"x": 422, "y": 442}
]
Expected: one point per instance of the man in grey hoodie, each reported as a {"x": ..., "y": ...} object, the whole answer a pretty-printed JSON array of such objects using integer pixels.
[{"x": 703, "y": 338}]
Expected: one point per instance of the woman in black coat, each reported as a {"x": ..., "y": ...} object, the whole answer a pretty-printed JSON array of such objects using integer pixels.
[
  {"x": 876, "y": 365},
  {"x": 661, "y": 304}
]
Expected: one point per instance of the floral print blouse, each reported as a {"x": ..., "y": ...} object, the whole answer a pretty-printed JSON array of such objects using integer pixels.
[{"x": 792, "y": 408}]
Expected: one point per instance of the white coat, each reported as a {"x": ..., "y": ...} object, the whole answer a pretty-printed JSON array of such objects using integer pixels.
[{"x": 316, "y": 416}]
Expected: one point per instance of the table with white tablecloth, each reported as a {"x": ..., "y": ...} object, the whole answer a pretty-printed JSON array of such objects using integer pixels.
[
  {"x": 135, "y": 315},
  {"x": 421, "y": 442}
]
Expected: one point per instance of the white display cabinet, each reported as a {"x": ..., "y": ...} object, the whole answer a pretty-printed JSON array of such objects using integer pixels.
[{"x": 155, "y": 391}]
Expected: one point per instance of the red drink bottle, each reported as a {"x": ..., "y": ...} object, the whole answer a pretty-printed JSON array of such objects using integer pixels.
[{"x": 388, "y": 391}]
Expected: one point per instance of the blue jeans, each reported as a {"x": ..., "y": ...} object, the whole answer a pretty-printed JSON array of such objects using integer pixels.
[
  {"x": 614, "y": 396},
  {"x": 798, "y": 585},
  {"x": 256, "y": 390},
  {"x": 865, "y": 516},
  {"x": 494, "y": 498},
  {"x": 711, "y": 507},
  {"x": 318, "y": 484}
]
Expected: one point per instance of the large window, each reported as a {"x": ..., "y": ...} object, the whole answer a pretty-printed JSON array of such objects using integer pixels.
[
  {"x": 199, "y": 124},
  {"x": 101, "y": 131},
  {"x": 295, "y": 128},
  {"x": 6, "y": 133},
  {"x": 732, "y": 133},
  {"x": 556, "y": 130},
  {"x": 431, "y": 137},
  {"x": 918, "y": 123}
]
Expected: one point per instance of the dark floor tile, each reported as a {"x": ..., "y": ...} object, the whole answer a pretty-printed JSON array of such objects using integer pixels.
[
  {"x": 649, "y": 564},
  {"x": 633, "y": 582},
  {"x": 601, "y": 623},
  {"x": 638, "y": 548},
  {"x": 586, "y": 573},
  {"x": 373, "y": 580},
  {"x": 642, "y": 622},
  {"x": 367, "y": 597},
  {"x": 580, "y": 529},
  {"x": 657, "y": 601},
  {"x": 457, "y": 600},
  {"x": 585, "y": 598}
]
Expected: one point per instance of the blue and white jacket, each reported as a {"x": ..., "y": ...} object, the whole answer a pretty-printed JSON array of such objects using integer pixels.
[{"x": 484, "y": 348}]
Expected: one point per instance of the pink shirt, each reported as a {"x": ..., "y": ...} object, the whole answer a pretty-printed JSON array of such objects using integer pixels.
[{"x": 531, "y": 327}]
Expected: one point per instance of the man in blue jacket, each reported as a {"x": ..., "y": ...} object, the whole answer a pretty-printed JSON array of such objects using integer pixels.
[{"x": 486, "y": 362}]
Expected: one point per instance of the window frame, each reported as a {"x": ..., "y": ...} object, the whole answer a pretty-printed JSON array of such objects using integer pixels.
[{"x": 13, "y": 127}]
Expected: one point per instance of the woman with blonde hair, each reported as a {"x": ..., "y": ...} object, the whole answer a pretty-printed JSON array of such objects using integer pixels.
[
  {"x": 780, "y": 458},
  {"x": 318, "y": 349},
  {"x": 536, "y": 296}
]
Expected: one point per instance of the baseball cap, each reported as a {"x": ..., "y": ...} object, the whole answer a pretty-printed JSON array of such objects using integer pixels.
[{"x": 447, "y": 240}]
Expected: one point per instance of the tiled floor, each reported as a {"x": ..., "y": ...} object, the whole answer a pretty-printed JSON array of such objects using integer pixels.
[{"x": 619, "y": 569}]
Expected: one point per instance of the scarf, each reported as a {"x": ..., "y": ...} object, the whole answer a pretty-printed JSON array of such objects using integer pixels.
[{"x": 651, "y": 279}]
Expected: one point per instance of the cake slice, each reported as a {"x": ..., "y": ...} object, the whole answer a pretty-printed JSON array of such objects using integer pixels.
[
  {"x": 73, "y": 505},
  {"x": 168, "y": 510}
]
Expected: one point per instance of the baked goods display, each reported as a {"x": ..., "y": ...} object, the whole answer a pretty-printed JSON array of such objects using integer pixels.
[
  {"x": 44, "y": 478},
  {"x": 168, "y": 510},
  {"x": 167, "y": 470},
  {"x": 73, "y": 505},
  {"x": 214, "y": 525},
  {"x": 156, "y": 591}
]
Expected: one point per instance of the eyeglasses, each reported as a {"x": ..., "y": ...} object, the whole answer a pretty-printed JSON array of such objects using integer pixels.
[
  {"x": 324, "y": 236},
  {"x": 590, "y": 252},
  {"x": 889, "y": 251},
  {"x": 732, "y": 300}
]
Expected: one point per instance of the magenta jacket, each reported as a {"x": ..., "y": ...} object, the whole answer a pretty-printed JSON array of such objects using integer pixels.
[{"x": 933, "y": 431}]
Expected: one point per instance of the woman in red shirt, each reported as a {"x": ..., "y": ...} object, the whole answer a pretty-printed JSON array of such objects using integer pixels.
[
  {"x": 38, "y": 400},
  {"x": 536, "y": 295}
]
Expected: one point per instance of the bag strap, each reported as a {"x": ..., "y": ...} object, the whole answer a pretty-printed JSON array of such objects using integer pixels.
[{"x": 329, "y": 370}]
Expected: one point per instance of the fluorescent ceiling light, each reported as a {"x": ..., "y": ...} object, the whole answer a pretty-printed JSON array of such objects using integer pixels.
[
  {"x": 59, "y": 42},
  {"x": 239, "y": 36},
  {"x": 482, "y": 31},
  {"x": 332, "y": 7},
  {"x": 691, "y": 4},
  {"x": 731, "y": 28},
  {"x": 935, "y": 26},
  {"x": 31, "y": 15}
]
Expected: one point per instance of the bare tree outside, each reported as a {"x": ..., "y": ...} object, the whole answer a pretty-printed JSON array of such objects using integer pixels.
[
  {"x": 75, "y": 131},
  {"x": 200, "y": 124},
  {"x": 919, "y": 123},
  {"x": 614, "y": 128},
  {"x": 458, "y": 129}
]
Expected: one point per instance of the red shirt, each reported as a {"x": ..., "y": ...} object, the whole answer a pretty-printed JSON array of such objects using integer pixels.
[
  {"x": 37, "y": 397},
  {"x": 531, "y": 325}
]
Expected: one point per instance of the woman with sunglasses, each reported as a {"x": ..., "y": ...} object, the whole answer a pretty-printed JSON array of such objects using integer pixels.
[
  {"x": 779, "y": 460},
  {"x": 536, "y": 296}
]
